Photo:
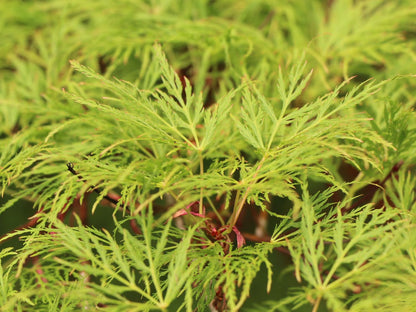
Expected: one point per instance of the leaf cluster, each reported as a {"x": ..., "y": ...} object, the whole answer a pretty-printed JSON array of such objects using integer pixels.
[{"x": 290, "y": 124}]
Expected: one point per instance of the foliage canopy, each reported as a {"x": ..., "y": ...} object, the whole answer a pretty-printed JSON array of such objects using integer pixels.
[{"x": 218, "y": 136}]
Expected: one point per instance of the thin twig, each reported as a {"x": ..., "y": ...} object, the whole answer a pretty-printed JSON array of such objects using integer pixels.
[{"x": 95, "y": 189}]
